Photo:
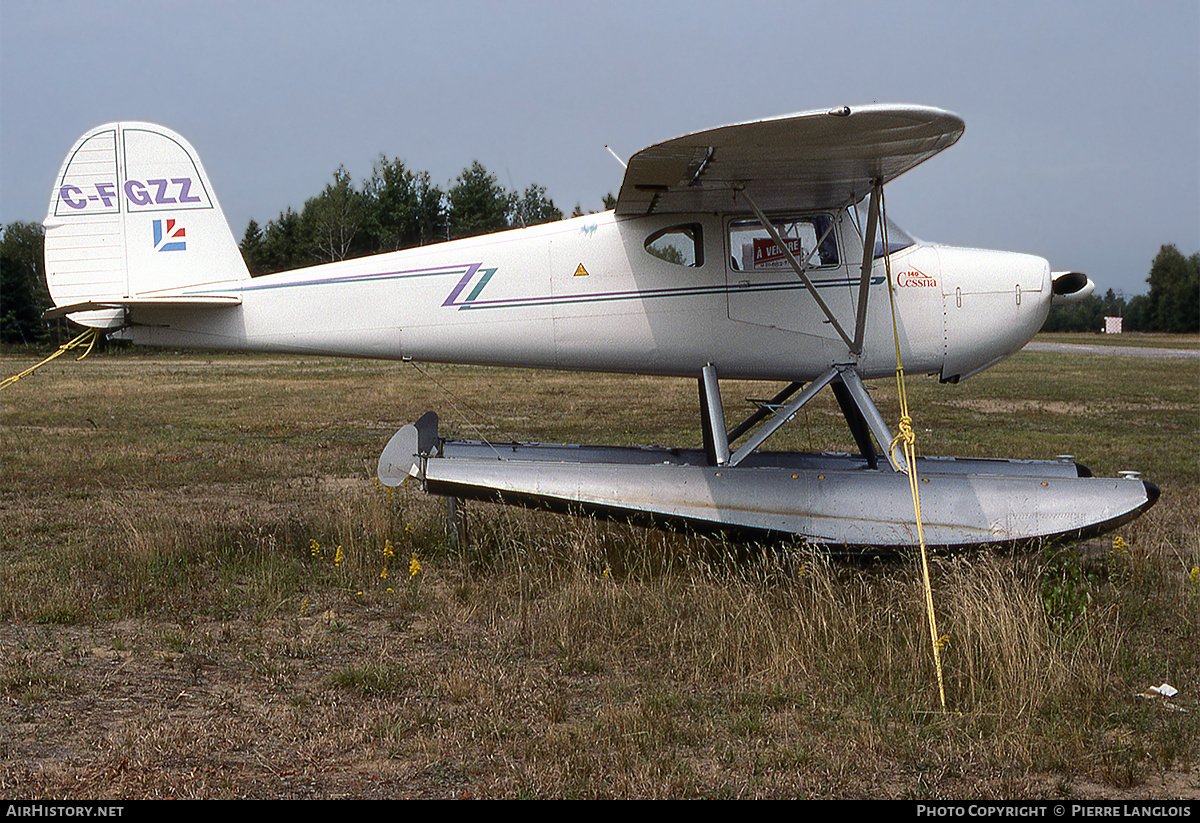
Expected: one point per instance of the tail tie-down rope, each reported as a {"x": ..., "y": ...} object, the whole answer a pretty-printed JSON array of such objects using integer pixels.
[{"x": 88, "y": 337}]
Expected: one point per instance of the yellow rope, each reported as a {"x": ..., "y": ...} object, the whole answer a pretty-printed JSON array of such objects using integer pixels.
[
  {"x": 89, "y": 336},
  {"x": 909, "y": 439}
]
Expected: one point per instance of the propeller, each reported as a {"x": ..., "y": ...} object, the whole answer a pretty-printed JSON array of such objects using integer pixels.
[{"x": 1070, "y": 287}]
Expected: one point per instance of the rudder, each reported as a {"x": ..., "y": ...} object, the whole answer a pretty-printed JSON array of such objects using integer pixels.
[{"x": 133, "y": 215}]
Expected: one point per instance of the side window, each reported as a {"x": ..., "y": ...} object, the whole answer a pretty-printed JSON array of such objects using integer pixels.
[
  {"x": 811, "y": 239},
  {"x": 681, "y": 245}
]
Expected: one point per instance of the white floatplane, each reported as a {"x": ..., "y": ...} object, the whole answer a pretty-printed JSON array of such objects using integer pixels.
[{"x": 755, "y": 251}]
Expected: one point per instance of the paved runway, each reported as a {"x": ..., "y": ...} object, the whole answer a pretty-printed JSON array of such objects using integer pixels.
[{"x": 1119, "y": 351}]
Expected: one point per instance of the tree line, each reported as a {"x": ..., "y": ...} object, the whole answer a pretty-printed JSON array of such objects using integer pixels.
[
  {"x": 395, "y": 208},
  {"x": 1171, "y": 305}
]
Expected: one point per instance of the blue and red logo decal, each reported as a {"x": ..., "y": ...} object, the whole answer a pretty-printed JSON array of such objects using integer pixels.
[{"x": 169, "y": 236}]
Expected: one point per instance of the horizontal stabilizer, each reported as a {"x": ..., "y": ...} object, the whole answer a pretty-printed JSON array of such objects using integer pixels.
[{"x": 191, "y": 302}]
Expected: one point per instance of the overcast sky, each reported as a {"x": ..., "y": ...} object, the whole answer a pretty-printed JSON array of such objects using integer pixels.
[{"x": 1083, "y": 118}]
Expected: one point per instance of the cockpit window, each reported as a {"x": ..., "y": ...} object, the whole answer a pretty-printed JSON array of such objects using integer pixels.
[
  {"x": 681, "y": 245},
  {"x": 897, "y": 238},
  {"x": 811, "y": 239}
]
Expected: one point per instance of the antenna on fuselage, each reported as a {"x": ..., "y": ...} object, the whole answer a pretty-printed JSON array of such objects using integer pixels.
[{"x": 616, "y": 156}]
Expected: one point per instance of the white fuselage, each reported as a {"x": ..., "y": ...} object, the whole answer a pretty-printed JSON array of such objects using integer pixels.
[{"x": 585, "y": 294}]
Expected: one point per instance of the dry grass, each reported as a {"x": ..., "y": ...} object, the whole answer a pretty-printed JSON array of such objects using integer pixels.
[{"x": 176, "y": 619}]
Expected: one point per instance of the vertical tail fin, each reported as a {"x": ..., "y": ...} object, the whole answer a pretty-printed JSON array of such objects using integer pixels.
[{"x": 133, "y": 215}]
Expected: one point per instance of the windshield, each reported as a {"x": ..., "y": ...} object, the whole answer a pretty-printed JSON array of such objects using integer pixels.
[{"x": 897, "y": 238}]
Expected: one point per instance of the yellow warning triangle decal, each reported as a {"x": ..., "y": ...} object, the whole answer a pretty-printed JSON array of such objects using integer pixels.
[{"x": 581, "y": 271}]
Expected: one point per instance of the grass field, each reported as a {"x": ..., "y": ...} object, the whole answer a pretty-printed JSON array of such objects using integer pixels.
[{"x": 204, "y": 593}]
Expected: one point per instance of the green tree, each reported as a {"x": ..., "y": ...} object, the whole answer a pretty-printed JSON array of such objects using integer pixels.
[
  {"x": 534, "y": 208},
  {"x": 1173, "y": 304},
  {"x": 610, "y": 203},
  {"x": 403, "y": 208},
  {"x": 1134, "y": 309},
  {"x": 669, "y": 253},
  {"x": 396, "y": 208},
  {"x": 1088, "y": 314},
  {"x": 478, "y": 203},
  {"x": 254, "y": 249},
  {"x": 333, "y": 219},
  {"x": 23, "y": 293},
  {"x": 285, "y": 244}
]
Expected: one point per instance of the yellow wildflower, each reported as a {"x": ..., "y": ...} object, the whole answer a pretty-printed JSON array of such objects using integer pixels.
[
  {"x": 337, "y": 558},
  {"x": 414, "y": 565}
]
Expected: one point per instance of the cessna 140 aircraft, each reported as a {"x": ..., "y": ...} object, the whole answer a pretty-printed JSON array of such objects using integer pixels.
[{"x": 755, "y": 251}]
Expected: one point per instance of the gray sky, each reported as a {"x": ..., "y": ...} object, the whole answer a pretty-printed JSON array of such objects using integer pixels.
[{"x": 1083, "y": 118}]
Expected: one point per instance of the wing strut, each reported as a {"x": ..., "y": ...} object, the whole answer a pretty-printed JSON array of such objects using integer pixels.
[
  {"x": 857, "y": 423},
  {"x": 862, "y": 415},
  {"x": 712, "y": 418},
  {"x": 782, "y": 415},
  {"x": 860, "y": 322},
  {"x": 765, "y": 407},
  {"x": 870, "y": 413}
]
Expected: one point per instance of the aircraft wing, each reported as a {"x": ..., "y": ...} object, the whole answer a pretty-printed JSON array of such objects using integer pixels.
[{"x": 812, "y": 160}]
